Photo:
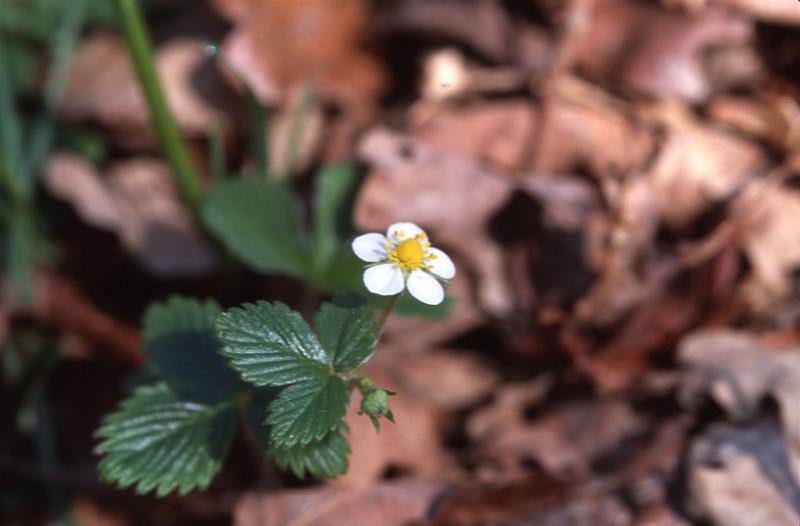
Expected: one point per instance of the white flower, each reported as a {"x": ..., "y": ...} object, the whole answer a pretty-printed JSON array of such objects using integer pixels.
[{"x": 404, "y": 258}]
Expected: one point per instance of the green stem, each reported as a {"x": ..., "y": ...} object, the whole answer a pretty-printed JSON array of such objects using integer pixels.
[
  {"x": 43, "y": 132},
  {"x": 296, "y": 126},
  {"x": 386, "y": 311},
  {"x": 175, "y": 149}
]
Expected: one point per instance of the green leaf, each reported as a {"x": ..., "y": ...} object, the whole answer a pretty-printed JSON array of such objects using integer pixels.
[
  {"x": 270, "y": 344},
  {"x": 259, "y": 221},
  {"x": 304, "y": 412},
  {"x": 333, "y": 208},
  {"x": 156, "y": 440},
  {"x": 179, "y": 337},
  {"x": 347, "y": 334},
  {"x": 325, "y": 458}
]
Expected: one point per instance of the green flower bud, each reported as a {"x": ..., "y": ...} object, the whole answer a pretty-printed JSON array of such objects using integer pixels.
[{"x": 376, "y": 405}]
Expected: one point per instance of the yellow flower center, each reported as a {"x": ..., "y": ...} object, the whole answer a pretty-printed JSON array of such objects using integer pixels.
[{"x": 410, "y": 253}]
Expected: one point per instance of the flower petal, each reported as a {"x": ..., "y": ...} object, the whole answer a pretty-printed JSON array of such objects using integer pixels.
[
  {"x": 384, "y": 280},
  {"x": 409, "y": 230},
  {"x": 370, "y": 247},
  {"x": 441, "y": 265},
  {"x": 425, "y": 288}
]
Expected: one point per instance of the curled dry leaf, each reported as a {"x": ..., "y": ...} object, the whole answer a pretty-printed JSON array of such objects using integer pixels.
[
  {"x": 389, "y": 504},
  {"x": 583, "y": 127},
  {"x": 746, "y": 475},
  {"x": 698, "y": 165},
  {"x": 498, "y": 134},
  {"x": 564, "y": 441},
  {"x": 739, "y": 477},
  {"x": 496, "y": 502},
  {"x": 664, "y": 53},
  {"x": 773, "y": 11},
  {"x": 453, "y": 21},
  {"x": 139, "y": 203},
  {"x": 768, "y": 215},
  {"x": 772, "y": 119},
  {"x": 276, "y": 45},
  {"x": 102, "y": 87}
]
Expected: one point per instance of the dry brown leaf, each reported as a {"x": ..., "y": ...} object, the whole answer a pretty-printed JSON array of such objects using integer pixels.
[
  {"x": 409, "y": 334},
  {"x": 665, "y": 53},
  {"x": 497, "y": 502},
  {"x": 102, "y": 87},
  {"x": 750, "y": 474},
  {"x": 276, "y": 45},
  {"x": 564, "y": 441},
  {"x": 87, "y": 513},
  {"x": 739, "y": 477},
  {"x": 583, "y": 126},
  {"x": 452, "y": 21},
  {"x": 775, "y": 120},
  {"x": 769, "y": 214},
  {"x": 499, "y": 134},
  {"x": 448, "y": 380},
  {"x": 139, "y": 203},
  {"x": 387, "y": 504},
  {"x": 774, "y": 11},
  {"x": 698, "y": 165}
]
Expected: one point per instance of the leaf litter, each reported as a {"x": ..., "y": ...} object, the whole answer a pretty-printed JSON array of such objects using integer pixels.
[{"x": 617, "y": 184}]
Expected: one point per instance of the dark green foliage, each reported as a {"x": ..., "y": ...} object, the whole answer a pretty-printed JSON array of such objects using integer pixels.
[
  {"x": 305, "y": 412},
  {"x": 327, "y": 457},
  {"x": 159, "y": 440},
  {"x": 270, "y": 344},
  {"x": 347, "y": 334},
  {"x": 260, "y": 222},
  {"x": 180, "y": 341}
]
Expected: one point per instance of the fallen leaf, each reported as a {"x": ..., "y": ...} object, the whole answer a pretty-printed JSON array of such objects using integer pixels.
[
  {"x": 559, "y": 440},
  {"x": 139, "y": 203},
  {"x": 454, "y": 22},
  {"x": 583, "y": 127},
  {"x": 389, "y": 504},
  {"x": 773, "y": 119},
  {"x": 498, "y": 502},
  {"x": 102, "y": 87},
  {"x": 767, "y": 214},
  {"x": 498, "y": 134},
  {"x": 739, "y": 477},
  {"x": 697, "y": 165},
  {"x": 277, "y": 45},
  {"x": 772, "y": 11},
  {"x": 748, "y": 474},
  {"x": 663, "y": 53}
]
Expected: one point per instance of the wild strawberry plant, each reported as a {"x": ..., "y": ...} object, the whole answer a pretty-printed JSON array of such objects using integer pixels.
[{"x": 261, "y": 365}]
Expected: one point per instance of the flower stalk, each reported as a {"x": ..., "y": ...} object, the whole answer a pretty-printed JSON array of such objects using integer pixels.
[{"x": 141, "y": 51}]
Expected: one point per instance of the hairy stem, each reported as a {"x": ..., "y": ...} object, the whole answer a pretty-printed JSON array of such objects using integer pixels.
[
  {"x": 169, "y": 136},
  {"x": 386, "y": 311}
]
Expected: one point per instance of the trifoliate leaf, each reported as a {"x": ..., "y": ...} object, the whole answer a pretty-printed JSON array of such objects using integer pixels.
[
  {"x": 270, "y": 344},
  {"x": 260, "y": 223},
  {"x": 347, "y": 334},
  {"x": 156, "y": 440},
  {"x": 325, "y": 458},
  {"x": 333, "y": 205},
  {"x": 180, "y": 340},
  {"x": 305, "y": 412}
]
